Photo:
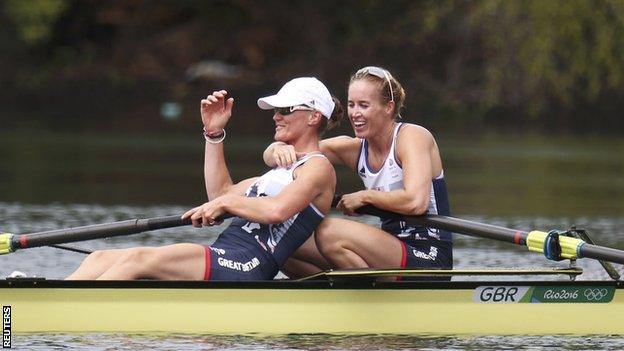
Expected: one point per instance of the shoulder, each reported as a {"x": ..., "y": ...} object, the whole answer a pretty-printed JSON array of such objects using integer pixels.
[
  {"x": 317, "y": 173},
  {"x": 415, "y": 130},
  {"x": 413, "y": 136},
  {"x": 318, "y": 166}
]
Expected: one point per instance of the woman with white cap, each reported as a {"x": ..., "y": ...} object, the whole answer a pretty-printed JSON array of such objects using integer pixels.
[
  {"x": 273, "y": 214},
  {"x": 400, "y": 166}
]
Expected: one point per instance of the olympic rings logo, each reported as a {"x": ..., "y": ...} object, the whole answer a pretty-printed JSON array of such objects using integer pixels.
[{"x": 595, "y": 294}]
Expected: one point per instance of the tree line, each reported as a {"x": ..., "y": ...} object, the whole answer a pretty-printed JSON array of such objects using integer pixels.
[{"x": 550, "y": 65}]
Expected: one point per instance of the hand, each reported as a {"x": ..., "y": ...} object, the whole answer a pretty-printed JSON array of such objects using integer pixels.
[
  {"x": 216, "y": 111},
  {"x": 350, "y": 202},
  {"x": 285, "y": 155},
  {"x": 206, "y": 214}
]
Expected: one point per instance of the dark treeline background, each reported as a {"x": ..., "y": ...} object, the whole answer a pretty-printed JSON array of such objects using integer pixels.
[{"x": 551, "y": 66}]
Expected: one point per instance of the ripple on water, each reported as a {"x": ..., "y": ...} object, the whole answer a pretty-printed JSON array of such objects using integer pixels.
[
  {"x": 314, "y": 342},
  {"x": 469, "y": 253}
]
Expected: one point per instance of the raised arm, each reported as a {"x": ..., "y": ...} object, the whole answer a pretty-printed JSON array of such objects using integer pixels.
[
  {"x": 340, "y": 150},
  {"x": 417, "y": 151},
  {"x": 216, "y": 110}
]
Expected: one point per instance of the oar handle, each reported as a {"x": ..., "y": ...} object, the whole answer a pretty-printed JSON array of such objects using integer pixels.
[{"x": 166, "y": 222}]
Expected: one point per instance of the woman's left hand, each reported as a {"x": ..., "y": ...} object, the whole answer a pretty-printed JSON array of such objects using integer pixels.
[
  {"x": 216, "y": 110},
  {"x": 350, "y": 202}
]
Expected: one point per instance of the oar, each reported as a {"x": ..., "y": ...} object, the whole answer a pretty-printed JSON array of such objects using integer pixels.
[
  {"x": 547, "y": 243},
  {"x": 71, "y": 248},
  {"x": 11, "y": 242}
]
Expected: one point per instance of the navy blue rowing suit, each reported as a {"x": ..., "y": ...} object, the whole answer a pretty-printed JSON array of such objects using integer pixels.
[
  {"x": 422, "y": 247},
  {"x": 254, "y": 251}
]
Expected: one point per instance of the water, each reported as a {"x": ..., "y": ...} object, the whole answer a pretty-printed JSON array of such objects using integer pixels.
[
  {"x": 505, "y": 175},
  {"x": 51, "y": 181},
  {"x": 470, "y": 253},
  {"x": 319, "y": 342}
]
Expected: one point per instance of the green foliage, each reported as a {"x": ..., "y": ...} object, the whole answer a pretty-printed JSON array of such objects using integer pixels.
[
  {"x": 34, "y": 19},
  {"x": 530, "y": 63},
  {"x": 538, "y": 53}
]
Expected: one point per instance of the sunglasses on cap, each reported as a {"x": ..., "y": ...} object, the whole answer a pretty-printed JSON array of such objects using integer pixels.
[
  {"x": 285, "y": 111},
  {"x": 379, "y": 73}
]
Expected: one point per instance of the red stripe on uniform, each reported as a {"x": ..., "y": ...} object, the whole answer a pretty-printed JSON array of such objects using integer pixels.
[
  {"x": 403, "y": 257},
  {"x": 403, "y": 254},
  {"x": 208, "y": 263}
]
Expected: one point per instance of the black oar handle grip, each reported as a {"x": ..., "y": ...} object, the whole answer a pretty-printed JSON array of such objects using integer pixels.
[
  {"x": 175, "y": 221},
  {"x": 369, "y": 210},
  {"x": 374, "y": 211},
  {"x": 166, "y": 222}
]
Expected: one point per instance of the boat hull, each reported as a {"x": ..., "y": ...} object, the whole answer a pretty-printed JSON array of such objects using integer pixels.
[{"x": 282, "y": 307}]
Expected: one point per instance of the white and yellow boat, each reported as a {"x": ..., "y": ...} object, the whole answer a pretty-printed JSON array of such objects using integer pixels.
[{"x": 315, "y": 306}]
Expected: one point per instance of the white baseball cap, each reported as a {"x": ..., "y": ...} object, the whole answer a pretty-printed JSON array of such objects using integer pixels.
[{"x": 307, "y": 91}]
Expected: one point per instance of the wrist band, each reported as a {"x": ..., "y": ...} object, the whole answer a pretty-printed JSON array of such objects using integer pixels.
[{"x": 214, "y": 138}]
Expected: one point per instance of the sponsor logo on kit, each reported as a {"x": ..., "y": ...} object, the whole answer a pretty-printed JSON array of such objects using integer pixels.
[
  {"x": 543, "y": 294},
  {"x": 217, "y": 250},
  {"x": 239, "y": 266},
  {"x": 433, "y": 253}
]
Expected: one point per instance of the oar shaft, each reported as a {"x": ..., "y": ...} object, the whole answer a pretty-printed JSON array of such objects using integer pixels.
[
  {"x": 71, "y": 248},
  {"x": 461, "y": 226},
  {"x": 466, "y": 227},
  {"x": 106, "y": 230},
  {"x": 10, "y": 242},
  {"x": 455, "y": 225},
  {"x": 602, "y": 253},
  {"x": 69, "y": 235}
]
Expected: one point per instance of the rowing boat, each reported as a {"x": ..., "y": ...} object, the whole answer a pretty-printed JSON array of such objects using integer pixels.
[
  {"x": 347, "y": 301},
  {"x": 340, "y": 303}
]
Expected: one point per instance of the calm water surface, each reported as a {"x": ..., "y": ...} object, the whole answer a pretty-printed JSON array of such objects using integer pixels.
[
  {"x": 59, "y": 181},
  {"x": 319, "y": 342},
  {"x": 470, "y": 253},
  {"x": 486, "y": 174}
]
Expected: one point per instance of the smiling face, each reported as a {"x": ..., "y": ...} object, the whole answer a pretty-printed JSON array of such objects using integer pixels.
[
  {"x": 367, "y": 113},
  {"x": 290, "y": 127}
]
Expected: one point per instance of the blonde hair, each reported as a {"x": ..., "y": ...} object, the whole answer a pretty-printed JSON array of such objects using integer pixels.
[
  {"x": 388, "y": 87},
  {"x": 334, "y": 120}
]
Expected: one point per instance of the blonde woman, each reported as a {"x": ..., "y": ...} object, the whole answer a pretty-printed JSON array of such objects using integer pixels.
[{"x": 400, "y": 166}]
